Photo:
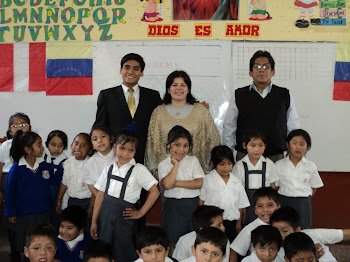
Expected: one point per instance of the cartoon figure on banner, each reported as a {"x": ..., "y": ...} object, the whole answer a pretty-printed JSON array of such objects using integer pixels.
[
  {"x": 259, "y": 10},
  {"x": 205, "y": 10},
  {"x": 151, "y": 14},
  {"x": 306, "y": 6}
]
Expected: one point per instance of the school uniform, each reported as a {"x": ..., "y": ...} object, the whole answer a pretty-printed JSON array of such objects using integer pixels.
[
  {"x": 167, "y": 259},
  {"x": 242, "y": 242},
  {"x": 28, "y": 195},
  {"x": 180, "y": 202},
  {"x": 72, "y": 251},
  {"x": 78, "y": 191},
  {"x": 190, "y": 259},
  {"x": 254, "y": 177},
  {"x": 183, "y": 248},
  {"x": 95, "y": 165},
  {"x": 253, "y": 258},
  {"x": 296, "y": 183},
  {"x": 122, "y": 188},
  {"x": 230, "y": 197}
]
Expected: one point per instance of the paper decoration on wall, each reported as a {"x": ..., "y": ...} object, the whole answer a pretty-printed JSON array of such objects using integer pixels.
[
  {"x": 342, "y": 73},
  {"x": 258, "y": 10},
  {"x": 205, "y": 10},
  {"x": 153, "y": 11},
  {"x": 306, "y": 8},
  {"x": 333, "y": 12},
  {"x": 63, "y": 68}
]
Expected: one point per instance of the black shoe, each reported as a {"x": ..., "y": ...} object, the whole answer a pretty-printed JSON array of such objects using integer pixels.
[
  {"x": 315, "y": 21},
  {"x": 302, "y": 23}
]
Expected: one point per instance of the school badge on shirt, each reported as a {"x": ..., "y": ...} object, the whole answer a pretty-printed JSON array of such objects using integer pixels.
[
  {"x": 46, "y": 174},
  {"x": 81, "y": 254}
]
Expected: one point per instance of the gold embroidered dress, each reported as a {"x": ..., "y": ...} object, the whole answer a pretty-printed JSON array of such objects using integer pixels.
[{"x": 198, "y": 122}]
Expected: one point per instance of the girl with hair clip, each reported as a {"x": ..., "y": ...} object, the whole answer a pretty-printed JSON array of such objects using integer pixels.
[
  {"x": 18, "y": 121},
  {"x": 29, "y": 182}
]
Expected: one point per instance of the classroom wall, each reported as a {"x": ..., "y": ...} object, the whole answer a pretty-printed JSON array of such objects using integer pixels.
[{"x": 331, "y": 208}]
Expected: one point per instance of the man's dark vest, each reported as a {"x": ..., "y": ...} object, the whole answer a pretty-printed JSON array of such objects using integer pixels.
[{"x": 268, "y": 115}]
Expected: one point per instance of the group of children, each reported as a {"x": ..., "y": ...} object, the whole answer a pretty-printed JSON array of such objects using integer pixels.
[{"x": 107, "y": 183}]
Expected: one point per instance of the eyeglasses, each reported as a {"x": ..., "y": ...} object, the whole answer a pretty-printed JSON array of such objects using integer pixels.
[
  {"x": 19, "y": 126},
  {"x": 264, "y": 66}
]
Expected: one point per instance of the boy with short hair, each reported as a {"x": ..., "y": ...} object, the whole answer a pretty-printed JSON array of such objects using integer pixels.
[
  {"x": 41, "y": 243},
  {"x": 266, "y": 242},
  {"x": 265, "y": 201},
  {"x": 203, "y": 217},
  {"x": 210, "y": 245},
  {"x": 152, "y": 245},
  {"x": 98, "y": 251},
  {"x": 299, "y": 247},
  {"x": 287, "y": 221},
  {"x": 72, "y": 239}
]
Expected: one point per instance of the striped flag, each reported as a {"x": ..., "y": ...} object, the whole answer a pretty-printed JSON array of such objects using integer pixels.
[
  {"x": 56, "y": 68},
  {"x": 342, "y": 73}
]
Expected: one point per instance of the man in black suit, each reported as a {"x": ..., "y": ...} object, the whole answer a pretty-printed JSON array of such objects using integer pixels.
[{"x": 112, "y": 103}]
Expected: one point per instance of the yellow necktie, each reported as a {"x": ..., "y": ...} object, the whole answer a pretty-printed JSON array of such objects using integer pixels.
[{"x": 131, "y": 102}]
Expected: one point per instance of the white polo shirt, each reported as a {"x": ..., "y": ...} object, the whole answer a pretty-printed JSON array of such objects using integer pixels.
[
  {"x": 140, "y": 178},
  {"x": 255, "y": 179},
  {"x": 230, "y": 197},
  {"x": 95, "y": 165},
  {"x": 73, "y": 178},
  {"x": 5, "y": 155},
  {"x": 297, "y": 181},
  {"x": 189, "y": 169}
]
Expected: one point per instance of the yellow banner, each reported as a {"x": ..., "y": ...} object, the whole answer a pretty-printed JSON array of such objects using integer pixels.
[
  {"x": 343, "y": 52},
  {"x": 63, "y": 50},
  {"x": 106, "y": 20}
]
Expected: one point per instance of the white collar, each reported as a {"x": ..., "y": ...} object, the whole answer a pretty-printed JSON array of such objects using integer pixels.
[
  {"x": 110, "y": 154},
  {"x": 136, "y": 89},
  {"x": 23, "y": 162},
  {"x": 125, "y": 166},
  {"x": 71, "y": 244}
]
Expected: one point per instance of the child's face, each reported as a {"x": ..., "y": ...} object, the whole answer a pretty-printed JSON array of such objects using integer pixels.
[
  {"x": 255, "y": 148},
  {"x": 37, "y": 148},
  {"x": 99, "y": 259},
  {"x": 207, "y": 252},
  {"x": 285, "y": 228},
  {"x": 153, "y": 253},
  {"x": 180, "y": 148},
  {"x": 80, "y": 148},
  {"x": 297, "y": 147},
  {"x": 18, "y": 124},
  {"x": 224, "y": 167},
  {"x": 68, "y": 231},
  {"x": 307, "y": 256},
  {"x": 101, "y": 142},
  {"x": 266, "y": 253},
  {"x": 125, "y": 152},
  {"x": 131, "y": 73},
  {"x": 55, "y": 146},
  {"x": 264, "y": 208},
  {"x": 41, "y": 249},
  {"x": 218, "y": 222}
]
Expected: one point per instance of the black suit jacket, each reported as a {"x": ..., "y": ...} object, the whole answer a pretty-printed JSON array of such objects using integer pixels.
[{"x": 113, "y": 111}]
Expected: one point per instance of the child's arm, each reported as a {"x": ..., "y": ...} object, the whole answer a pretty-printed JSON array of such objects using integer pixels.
[
  {"x": 233, "y": 256},
  {"x": 168, "y": 182},
  {"x": 133, "y": 213},
  {"x": 346, "y": 233},
  {"x": 63, "y": 189},
  {"x": 273, "y": 185},
  {"x": 93, "y": 190},
  {"x": 239, "y": 221},
  {"x": 2, "y": 197},
  {"x": 201, "y": 202},
  {"x": 190, "y": 184},
  {"x": 91, "y": 206},
  {"x": 96, "y": 213},
  {"x": 314, "y": 191}
]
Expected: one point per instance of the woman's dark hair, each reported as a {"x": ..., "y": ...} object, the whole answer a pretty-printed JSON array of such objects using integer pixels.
[
  {"x": 170, "y": 80},
  {"x": 20, "y": 141},
  {"x": 300, "y": 132},
  {"x": 261, "y": 53},
  {"x": 12, "y": 118},
  {"x": 59, "y": 134},
  {"x": 219, "y": 153},
  {"x": 104, "y": 129},
  {"x": 179, "y": 132}
]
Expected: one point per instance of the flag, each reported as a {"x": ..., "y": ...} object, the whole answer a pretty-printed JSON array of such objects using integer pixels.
[
  {"x": 69, "y": 68},
  {"x": 341, "y": 89}
]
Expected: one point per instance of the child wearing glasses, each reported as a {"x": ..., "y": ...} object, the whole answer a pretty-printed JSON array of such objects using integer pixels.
[{"x": 18, "y": 121}]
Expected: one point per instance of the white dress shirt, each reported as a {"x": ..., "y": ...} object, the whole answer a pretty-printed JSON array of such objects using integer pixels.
[
  {"x": 230, "y": 197},
  {"x": 140, "y": 178},
  {"x": 255, "y": 179},
  {"x": 189, "y": 169},
  {"x": 230, "y": 121},
  {"x": 5, "y": 155},
  {"x": 297, "y": 181}
]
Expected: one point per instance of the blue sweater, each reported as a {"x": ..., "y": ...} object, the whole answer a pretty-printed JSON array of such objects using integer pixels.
[
  {"x": 29, "y": 192},
  {"x": 65, "y": 254}
]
